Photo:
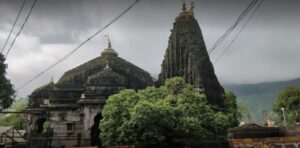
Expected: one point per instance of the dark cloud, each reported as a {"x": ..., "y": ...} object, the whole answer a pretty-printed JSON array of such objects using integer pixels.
[{"x": 266, "y": 50}]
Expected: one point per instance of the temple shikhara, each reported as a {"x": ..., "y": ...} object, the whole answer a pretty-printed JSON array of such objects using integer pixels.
[
  {"x": 186, "y": 56},
  {"x": 72, "y": 106}
]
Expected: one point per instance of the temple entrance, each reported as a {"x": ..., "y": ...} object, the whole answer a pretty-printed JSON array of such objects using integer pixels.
[
  {"x": 39, "y": 125},
  {"x": 95, "y": 132}
]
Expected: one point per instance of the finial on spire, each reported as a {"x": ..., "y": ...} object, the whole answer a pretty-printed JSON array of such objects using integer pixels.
[
  {"x": 192, "y": 4},
  {"x": 107, "y": 67},
  {"x": 192, "y": 8},
  {"x": 183, "y": 6},
  {"x": 109, "y": 42}
]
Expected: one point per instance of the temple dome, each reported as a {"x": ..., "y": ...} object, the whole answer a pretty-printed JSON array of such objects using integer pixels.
[
  {"x": 101, "y": 85},
  {"x": 135, "y": 77},
  {"x": 109, "y": 51},
  {"x": 94, "y": 80},
  {"x": 106, "y": 77}
]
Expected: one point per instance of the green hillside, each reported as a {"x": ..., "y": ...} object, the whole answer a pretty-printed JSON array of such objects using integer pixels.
[{"x": 259, "y": 96}]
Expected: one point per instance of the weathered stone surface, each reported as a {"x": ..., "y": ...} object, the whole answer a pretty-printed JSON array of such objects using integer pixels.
[
  {"x": 136, "y": 78},
  {"x": 69, "y": 88},
  {"x": 37, "y": 96},
  {"x": 75, "y": 103},
  {"x": 103, "y": 84},
  {"x": 186, "y": 56}
]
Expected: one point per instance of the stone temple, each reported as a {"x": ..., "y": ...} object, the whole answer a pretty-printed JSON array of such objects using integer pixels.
[
  {"x": 186, "y": 56},
  {"x": 72, "y": 106}
]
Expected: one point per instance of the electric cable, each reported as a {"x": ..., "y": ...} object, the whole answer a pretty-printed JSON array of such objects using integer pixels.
[
  {"x": 14, "y": 24},
  {"x": 26, "y": 19},
  {"x": 80, "y": 45},
  {"x": 240, "y": 31},
  {"x": 232, "y": 27}
]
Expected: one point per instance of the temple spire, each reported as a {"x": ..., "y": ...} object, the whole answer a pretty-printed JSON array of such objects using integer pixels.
[
  {"x": 109, "y": 50},
  {"x": 109, "y": 42},
  {"x": 183, "y": 8},
  {"x": 179, "y": 60},
  {"x": 191, "y": 10}
]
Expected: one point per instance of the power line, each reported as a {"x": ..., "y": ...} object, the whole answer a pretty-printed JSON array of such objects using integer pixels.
[
  {"x": 26, "y": 19},
  {"x": 80, "y": 45},
  {"x": 14, "y": 24},
  {"x": 237, "y": 35},
  {"x": 232, "y": 27}
]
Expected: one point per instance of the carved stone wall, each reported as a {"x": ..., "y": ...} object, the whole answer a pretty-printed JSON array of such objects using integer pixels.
[{"x": 186, "y": 56}]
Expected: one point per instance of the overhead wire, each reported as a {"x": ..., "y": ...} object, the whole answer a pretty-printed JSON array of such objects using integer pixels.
[
  {"x": 78, "y": 47},
  {"x": 13, "y": 27},
  {"x": 25, "y": 21},
  {"x": 233, "y": 26},
  {"x": 240, "y": 31}
]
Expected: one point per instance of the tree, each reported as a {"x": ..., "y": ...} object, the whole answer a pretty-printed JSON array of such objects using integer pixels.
[
  {"x": 173, "y": 113},
  {"x": 243, "y": 109},
  {"x": 6, "y": 88},
  {"x": 289, "y": 99},
  {"x": 232, "y": 109},
  {"x": 13, "y": 119}
]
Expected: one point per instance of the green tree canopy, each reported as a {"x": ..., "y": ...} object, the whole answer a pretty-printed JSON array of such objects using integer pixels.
[
  {"x": 232, "y": 109},
  {"x": 173, "y": 113},
  {"x": 289, "y": 99},
  {"x": 6, "y": 88},
  {"x": 14, "y": 119},
  {"x": 244, "y": 111}
]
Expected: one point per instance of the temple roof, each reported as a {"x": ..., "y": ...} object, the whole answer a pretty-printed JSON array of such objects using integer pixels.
[
  {"x": 96, "y": 73},
  {"x": 135, "y": 77},
  {"x": 37, "y": 97},
  {"x": 43, "y": 90},
  {"x": 106, "y": 77}
]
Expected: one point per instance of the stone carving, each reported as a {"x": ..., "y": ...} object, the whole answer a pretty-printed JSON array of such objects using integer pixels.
[{"x": 186, "y": 56}]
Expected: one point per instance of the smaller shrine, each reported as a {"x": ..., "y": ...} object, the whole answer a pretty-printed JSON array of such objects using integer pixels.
[{"x": 68, "y": 113}]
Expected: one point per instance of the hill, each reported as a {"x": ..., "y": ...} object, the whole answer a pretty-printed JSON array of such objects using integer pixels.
[{"x": 259, "y": 96}]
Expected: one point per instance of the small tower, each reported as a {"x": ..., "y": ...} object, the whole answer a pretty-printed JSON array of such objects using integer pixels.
[{"x": 183, "y": 7}]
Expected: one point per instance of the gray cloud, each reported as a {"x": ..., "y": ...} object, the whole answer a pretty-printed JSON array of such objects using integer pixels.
[{"x": 267, "y": 49}]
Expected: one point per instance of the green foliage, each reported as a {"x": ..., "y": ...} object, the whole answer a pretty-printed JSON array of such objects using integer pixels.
[
  {"x": 289, "y": 99},
  {"x": 46, "y": 127},
  {"x": 232, "y": 110},
  {"x": 6, "y": 88},
  {"x": 259, "y": 97},
  {"x": 12, "y": 119},
  {"x": 243, "y": 109},
  {"x": 173, "y": 113},
  {"x": 255, "y": 104}
]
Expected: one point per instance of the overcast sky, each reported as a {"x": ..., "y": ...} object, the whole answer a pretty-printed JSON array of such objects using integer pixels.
[{"x": 267, "y": 50}]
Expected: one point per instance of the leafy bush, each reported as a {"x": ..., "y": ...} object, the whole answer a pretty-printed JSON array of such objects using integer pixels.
[{"x": 173, "y": 113}]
